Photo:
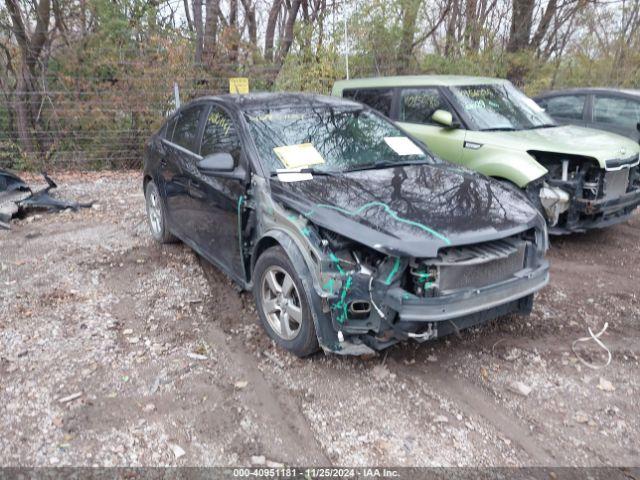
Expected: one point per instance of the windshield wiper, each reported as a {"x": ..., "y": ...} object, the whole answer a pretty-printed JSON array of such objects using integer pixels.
[
  {"x": 385, "y": 164},
  {"x": 544, "y": 125},
  {"x": 311, "y": 170},
  {"x": 499, "y": 129}
]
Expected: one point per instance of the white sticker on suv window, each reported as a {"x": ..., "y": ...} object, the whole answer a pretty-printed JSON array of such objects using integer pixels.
[
  {"x": 403, "y": 146},
  {"x": 299, "y": 156}
]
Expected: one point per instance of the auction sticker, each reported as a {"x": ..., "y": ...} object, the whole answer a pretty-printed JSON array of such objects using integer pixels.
[
  {"x": 403, "y": 146},
  {"x": 299, "y": 156}
]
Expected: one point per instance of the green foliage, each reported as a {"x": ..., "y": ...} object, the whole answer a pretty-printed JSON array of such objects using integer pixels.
[{"x": 301, "y": 74}]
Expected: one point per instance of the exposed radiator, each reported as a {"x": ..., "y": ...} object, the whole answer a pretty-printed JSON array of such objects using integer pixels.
[
  {"x": 476, "y": 266},
  {"x": 615, "y": 183}
]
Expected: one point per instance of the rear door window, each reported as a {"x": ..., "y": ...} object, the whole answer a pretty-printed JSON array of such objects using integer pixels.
[
  {"x": 185, "y": 133},
  {"x": 569, "y": 107},
  {"x": 379, "y": 99},
  {"x": 616, "y": 111},
  {"x": 417, "y": 105}
]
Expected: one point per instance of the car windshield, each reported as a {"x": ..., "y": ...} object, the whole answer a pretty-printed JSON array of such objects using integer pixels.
[
  {"x": 329, "y": 139},
  {"x": 500, "y": 107}
]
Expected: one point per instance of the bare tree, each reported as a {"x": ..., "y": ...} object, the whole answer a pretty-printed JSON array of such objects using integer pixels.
[
  {"x": 197, "y": 20},
  {"x": 272, "y": 22},
  {"x": 31, "y": 43},
  {"x": 212, "y": 16},
  {"x": 287, "y": 34}
]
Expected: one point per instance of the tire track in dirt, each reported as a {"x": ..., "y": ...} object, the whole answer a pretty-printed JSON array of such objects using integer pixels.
[
  {"x": 476, "y": 403},
  {"x": 276, "y": 406}
]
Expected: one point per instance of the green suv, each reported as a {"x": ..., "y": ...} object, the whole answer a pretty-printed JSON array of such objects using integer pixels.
[{"x": 579, "y": 178}]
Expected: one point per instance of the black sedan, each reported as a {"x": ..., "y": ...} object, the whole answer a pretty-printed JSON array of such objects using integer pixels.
[
  {"x": 614, "y": 110},
  {"x": 351, "y": 235}
]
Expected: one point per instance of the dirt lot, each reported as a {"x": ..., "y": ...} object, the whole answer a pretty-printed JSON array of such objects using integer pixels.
[{"x": 117, "y": 351}]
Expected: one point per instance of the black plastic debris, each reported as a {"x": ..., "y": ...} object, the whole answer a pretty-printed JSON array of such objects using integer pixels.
[{"x": 16, "y": 197}]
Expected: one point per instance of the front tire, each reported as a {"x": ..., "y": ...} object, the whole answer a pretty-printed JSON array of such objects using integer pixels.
[
  {"x": 157, "y": 215},
  {"x": 282, "y": 303}
]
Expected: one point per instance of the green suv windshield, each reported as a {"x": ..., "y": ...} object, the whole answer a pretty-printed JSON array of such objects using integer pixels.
[
  {"x": 500, "y": 107},
  {"x": 329, "y": 139}
]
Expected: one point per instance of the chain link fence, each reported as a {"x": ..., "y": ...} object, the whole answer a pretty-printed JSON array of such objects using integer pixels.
[{"x": 101, "y": 125}]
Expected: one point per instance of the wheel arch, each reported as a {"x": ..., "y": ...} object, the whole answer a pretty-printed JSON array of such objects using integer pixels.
[
  {"x": 276, "y": 237},
  {"x": 145, "y": 181}
]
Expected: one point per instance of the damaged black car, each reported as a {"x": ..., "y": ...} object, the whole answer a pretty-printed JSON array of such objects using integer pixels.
[{"x": 350, "y": 234}]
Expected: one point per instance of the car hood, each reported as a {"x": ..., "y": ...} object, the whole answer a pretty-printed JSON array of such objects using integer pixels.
[
  {"x": 410, "y": 211},
  {"x": 569, "y": 139}
]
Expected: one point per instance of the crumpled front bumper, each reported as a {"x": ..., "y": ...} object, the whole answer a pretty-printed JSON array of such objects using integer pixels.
[
  {"x": 425, "y": 318},
  {"x": 629, "y": 200},
  {"x": 412, "y": 309},
  {"x": 589, "y": 214}
]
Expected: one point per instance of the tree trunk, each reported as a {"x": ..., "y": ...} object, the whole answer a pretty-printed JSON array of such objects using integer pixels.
[
  {"x": 234, "y": 31},
  {"x": 287, "y": 38},
  {"x": 197, "y": 20},
  {"x": 450, "y": 40},
  {"x": 521, "y": 24},
  {"x": 471, "y": 25},
  {"x": 545, "y": 22},
  {"x": 27, "y": 98},
  {"x": 409, "y": 17},
  {"x": 252, "y": 25},
  {"x": 187, "y": 14},
  {"x": 520, "y": 40},
  {"x": 272, "y": 22},
  {"x": 212, "y": 12}
]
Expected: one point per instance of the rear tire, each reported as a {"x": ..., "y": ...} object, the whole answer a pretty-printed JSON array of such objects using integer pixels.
[
  {"x": 282, "y": 303},
  {"x": 157, "y": 215}
]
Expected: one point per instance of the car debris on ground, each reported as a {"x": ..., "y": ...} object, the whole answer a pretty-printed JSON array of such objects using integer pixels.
[{"x": 16, "y": 197}]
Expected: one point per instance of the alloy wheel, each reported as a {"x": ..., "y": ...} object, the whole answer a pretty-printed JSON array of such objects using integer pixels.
[
  {"x": 281, "y": 302},
  {"x": 154, "y": 211}
]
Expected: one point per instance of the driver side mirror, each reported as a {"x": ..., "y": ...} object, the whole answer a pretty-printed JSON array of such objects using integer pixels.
[
  {"x": 217, "y": 162},
  {"x": 444, "y": 118}
]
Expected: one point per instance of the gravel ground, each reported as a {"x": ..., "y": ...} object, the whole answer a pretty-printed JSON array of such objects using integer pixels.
[{"x": 116, "y": 351}]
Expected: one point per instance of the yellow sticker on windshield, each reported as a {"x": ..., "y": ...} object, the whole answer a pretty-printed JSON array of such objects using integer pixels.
[{"x": 299, "y": 156}]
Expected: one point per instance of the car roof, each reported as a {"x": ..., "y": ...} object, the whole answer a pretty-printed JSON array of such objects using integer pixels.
[
  {"x": 587, "y": 90},
  {"x": 416, "y": 81},
  {"x": 267, "y": 100}
]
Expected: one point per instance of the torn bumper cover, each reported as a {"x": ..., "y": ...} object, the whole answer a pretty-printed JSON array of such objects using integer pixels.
[
  {"x": 394, "y": 313},
  {"x": 591, "y": 198},
  {"x": 606, "y": 212},
  {"x": 373, "y": 304},
  {"x": 16, "y": 196},
  {"x": 469, "y": 307}
]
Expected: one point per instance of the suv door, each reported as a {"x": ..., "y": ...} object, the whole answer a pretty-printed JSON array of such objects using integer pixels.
[
  {"x": 216, "y": 196},
  {"x": 617, "y": 114},
  {"x": 180, "y": 158},
  {"x": 565, "y": 109},
  {"x": 415, "y": 109}
]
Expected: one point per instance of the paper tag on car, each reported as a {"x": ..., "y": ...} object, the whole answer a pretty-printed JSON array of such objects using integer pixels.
[
  {"x": 293, "y": 175},
  {"x": 403, "y": 146},
  {"x": 299, "y": 156}
]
